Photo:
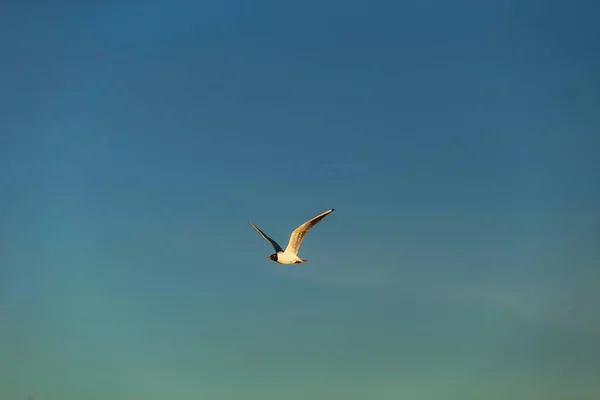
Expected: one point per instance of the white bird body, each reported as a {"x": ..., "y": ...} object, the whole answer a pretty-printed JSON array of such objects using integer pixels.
[
  {"x": 290, "y": 254},
  {"x": 284, "y": 257}
]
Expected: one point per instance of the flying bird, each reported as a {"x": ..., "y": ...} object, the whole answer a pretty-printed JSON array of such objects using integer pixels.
[{"x": 290, "y": 254}]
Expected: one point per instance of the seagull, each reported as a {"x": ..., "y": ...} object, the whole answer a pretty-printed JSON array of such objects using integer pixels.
[{"x": 290, "y": 255}]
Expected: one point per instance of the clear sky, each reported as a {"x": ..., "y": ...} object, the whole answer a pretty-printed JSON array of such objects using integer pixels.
[{"x": 458, "y": 141}]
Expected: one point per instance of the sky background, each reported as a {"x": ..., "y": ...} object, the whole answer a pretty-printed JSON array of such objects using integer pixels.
[{"x": 457, "y": 140}]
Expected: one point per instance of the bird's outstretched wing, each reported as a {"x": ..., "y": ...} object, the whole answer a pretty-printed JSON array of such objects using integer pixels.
[
  {"x": 275, "y": 245},
  {"x": 298, "y": 235}
]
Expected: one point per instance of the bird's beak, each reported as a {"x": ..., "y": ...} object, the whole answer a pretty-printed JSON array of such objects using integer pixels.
[{"x": 268, "y": 258}]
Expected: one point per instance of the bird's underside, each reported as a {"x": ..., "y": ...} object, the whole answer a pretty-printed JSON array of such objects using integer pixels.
[{"x": 290, "y": 254}]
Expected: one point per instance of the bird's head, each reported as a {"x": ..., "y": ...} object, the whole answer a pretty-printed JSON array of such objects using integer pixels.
[{"x": 272, "y": 257}]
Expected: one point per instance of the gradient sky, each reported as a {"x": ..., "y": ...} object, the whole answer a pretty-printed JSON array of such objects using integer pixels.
[{"x": 457, "y": 140}]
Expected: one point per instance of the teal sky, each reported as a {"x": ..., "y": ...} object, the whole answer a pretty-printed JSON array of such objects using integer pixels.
[{"x": 458, "y": 142}]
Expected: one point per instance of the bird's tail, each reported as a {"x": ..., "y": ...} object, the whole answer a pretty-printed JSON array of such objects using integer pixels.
[{"x": 302, "y": 260}]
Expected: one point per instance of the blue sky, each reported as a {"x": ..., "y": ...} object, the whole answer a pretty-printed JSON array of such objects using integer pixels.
[{"x": 458, "y": 142}]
